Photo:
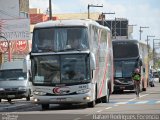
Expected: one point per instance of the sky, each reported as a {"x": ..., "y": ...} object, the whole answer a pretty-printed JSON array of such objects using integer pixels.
[{"x": 145, "y": 13}]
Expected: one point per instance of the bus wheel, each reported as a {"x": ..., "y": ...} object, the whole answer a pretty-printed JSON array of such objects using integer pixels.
[
  {"x": 92, "y": 104},
  {"x": 28, "y": 98},
  {"x": 9, "y": 99},
  {"x": 45, "y": 106},
  {"x": 143, "y": 89}
]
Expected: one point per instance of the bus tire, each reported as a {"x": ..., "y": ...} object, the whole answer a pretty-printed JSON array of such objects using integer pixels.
[
  {"x": 28, "y": 98},
  {"x": 92, "y": 104},
  {"x": 45, "y": 106},
  {"x": 9, "y": 99},
  {"x": 143, "y": 89}
]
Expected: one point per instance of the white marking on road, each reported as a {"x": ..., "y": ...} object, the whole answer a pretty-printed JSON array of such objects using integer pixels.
[
  {"x": 143, "y": 95},
  {"x": 158, "y": 102},
  {"x": 87, "y": 115},
  {"x": 108, "y": 108},
  {"x": 115, "y": 105},
  {"x": 132, "y": 99},
  {"x": 77, "y": 119},
  {"x": 99, "y": 111},
  {"x": 141, "y": 102},
  {"x": 121, "y": 103}
]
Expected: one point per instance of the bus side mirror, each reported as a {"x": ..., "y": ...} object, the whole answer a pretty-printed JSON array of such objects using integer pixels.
[
  {"x": 92, "y": 61},
  {"x": 30, "y": 77},
  {"x": 140, "y": 62},
  {"x": 144, "y": 70}
]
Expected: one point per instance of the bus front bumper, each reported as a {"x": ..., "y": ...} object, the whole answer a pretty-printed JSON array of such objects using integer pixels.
[
  {"x": 80, "y": 98},
  {"x": 124, "y": 87}
]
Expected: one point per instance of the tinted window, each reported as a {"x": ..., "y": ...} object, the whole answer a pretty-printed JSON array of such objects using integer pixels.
[
  {"x": 49, "y": 70},
  {"x": 12, "y": 74},
  {"x": 59, "y": 39},
  {"x": 125, "y": 50}
]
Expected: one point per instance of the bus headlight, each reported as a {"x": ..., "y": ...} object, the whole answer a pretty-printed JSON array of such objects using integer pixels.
[
  {"x": 39, "y": 93},
  {"x": 1, "y": 89},
  {"x": 83, "y": 91}
]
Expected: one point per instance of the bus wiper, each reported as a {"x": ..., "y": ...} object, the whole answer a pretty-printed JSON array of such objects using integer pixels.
[
  {"x": 42, "y": 49},
  {"x": 61, "y": 50},
  {"x": 75, "y": 49},
  {"x": 12, "y": 78},
  {"x": 69, "y": 49},
  {"x": 79, "y": 50}
]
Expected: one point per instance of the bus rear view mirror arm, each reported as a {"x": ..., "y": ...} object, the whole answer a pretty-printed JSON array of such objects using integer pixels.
[{"x": 92, "y": 61}]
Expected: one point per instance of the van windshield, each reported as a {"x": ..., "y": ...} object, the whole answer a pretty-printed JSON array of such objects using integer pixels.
[{"x": 12, "y": 74}]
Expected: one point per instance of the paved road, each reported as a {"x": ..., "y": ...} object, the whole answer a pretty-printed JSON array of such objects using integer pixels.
[{"x": 124, "y": 105}]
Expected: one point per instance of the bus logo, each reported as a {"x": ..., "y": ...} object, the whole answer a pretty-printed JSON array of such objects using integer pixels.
[{"x": 61, "y": 90}]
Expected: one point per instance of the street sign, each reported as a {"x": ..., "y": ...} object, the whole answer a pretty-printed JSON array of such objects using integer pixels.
[
  {"x": 15, "y": 29},
  {"x": 3, "y": 46},
  {"x": 21, "y": 45}
]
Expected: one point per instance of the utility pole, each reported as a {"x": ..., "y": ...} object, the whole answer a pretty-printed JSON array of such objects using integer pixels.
[
  {"x": 148, "y": 54},
  {"x": 92, "y": 6},
  {"x": 50, "y": 9},
  {"x": 141, "y": 31},
  {"x": 154, "y": 51},
  {"x": 148, "y": 44}
]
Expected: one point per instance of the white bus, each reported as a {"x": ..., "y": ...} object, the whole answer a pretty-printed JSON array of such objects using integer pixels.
[{"x": 71, "y": 62}]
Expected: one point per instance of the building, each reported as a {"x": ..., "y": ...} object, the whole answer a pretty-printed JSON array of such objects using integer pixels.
[
  {"x": 119, "y": 27},
  {"x": 15, "y": 27}
]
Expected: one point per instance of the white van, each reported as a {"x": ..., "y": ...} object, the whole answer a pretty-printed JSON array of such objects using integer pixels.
[{"x": 14, "y": 82}]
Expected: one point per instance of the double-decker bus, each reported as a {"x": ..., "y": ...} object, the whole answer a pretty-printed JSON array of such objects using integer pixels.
[
  {"x": 128, "y": 55},
  {"x": 71, "y": 62}
]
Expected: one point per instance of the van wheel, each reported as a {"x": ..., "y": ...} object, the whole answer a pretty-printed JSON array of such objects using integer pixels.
[
  {"x": 143, "y": 89},
  {"x": 9, "y": 100},
  {"x": 45, "y": 106},
  {"x": 28, "y": 98},
  {"x": 0, "y": 100}
]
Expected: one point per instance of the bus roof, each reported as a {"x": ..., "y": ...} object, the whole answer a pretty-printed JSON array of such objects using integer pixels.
[
  {"x": 125, "y": 40},
  {"x": 129, "y": 41},
  {"x": 70, "y": 22}
]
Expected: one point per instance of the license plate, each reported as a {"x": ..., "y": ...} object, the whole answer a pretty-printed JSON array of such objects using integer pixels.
[
  {"x": 11, "y": 96},
  {"x": 61, "y": 99},
  {"x": 122, "y": 87}
]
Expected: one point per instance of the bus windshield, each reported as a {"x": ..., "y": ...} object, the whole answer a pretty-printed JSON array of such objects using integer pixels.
[
  {"x": 57, "y": 39},
  {"x": 12, "y": 74},
  {"x": 124, "y": 68},
  {"x": 125, "y": 50},
  {"x": 57, "y": 69}
]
